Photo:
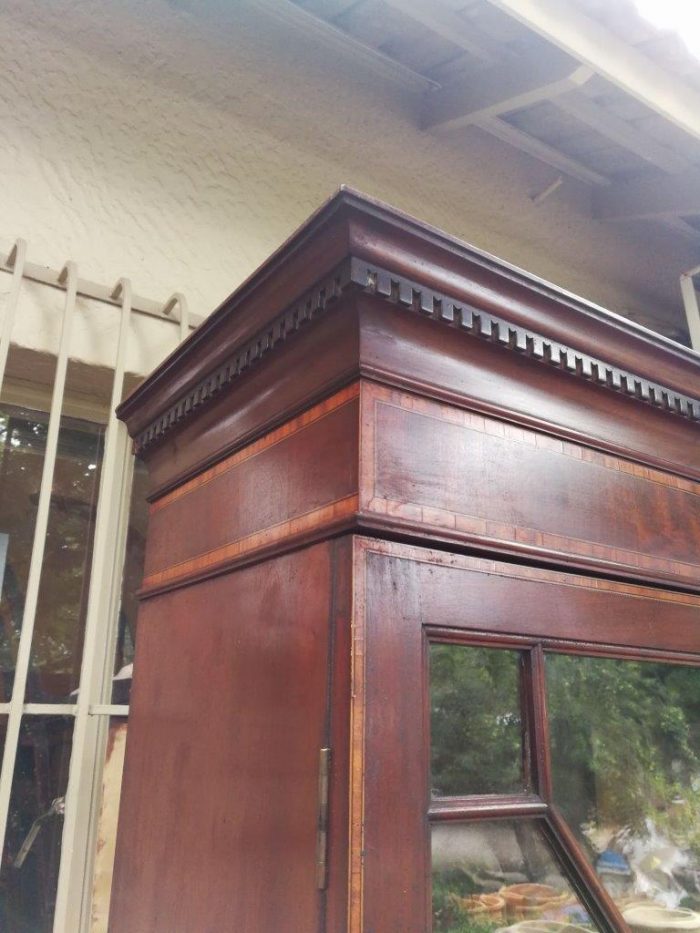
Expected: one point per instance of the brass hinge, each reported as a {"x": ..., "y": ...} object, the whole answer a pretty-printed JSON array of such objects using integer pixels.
[{"x": 324, "y": 767}]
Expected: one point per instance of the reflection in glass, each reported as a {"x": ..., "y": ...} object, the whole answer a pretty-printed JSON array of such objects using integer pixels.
[
  {"x": 107, "y": 822},
  {"x": 475, "y": 722},
  {"x": 500, "y": 874},
  {"x": 62, "y": 602},
  {"x": 131, "y": 581},
  {"x": 32, "y": 853},
  {"x": 626, "y": 770}
]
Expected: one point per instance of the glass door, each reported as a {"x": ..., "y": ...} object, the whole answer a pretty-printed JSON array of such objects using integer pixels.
[{"x": 565, "y": 791}]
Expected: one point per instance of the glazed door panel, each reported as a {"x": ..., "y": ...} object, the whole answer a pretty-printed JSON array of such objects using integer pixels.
[{"x": 413, "y": 604}]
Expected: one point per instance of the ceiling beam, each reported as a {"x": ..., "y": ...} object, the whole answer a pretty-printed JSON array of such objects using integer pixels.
[
  {"x": 621, "y": 132},
  {"x": 539, "y": 150},
  {"x": 660, "y": 196},
  {"x": 501, "y": 89},
  {"x": 451, "y": 26},
  {"x": 686, "y": 230},
  {"x": 295, "y": 17},
  {"x": 592, "y": 44}
]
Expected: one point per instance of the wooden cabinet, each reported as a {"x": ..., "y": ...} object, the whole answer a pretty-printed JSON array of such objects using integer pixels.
[{"x": 423, "y": 564}]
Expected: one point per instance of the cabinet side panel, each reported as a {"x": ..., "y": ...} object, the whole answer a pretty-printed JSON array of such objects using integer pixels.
[
  {"x": 339, "y": 738},
  {"x": 299, "y": 478},
  {"x": 219, "y": 809},
  {"x": 305, "y": 368}
]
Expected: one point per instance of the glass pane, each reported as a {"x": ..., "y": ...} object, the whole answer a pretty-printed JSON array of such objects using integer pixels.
[
  {"x": 107, "y": 823},
  {"x": 475, "y": 722},
  {"x": 33, "y": 843},
  {"x": 492, "y": 875},
  {"x": 131, "y": 581},
  {"x": 60, "y": 617},
  {"x": 626, "y": 770}
]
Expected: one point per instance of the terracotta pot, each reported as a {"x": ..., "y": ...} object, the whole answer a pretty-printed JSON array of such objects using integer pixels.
[
  {"x": 484, "y": 905},
  {"x": 530, "y": 900}
]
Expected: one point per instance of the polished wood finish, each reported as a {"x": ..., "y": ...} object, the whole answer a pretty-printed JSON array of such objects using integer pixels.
[
  {"x": 362, "y": 289},
  {"x": 381, "y": 439},
  {"x": 478, "y": 480},
  {"x": 229, "y": 710},
  {"x": 308, "y": 471},
  {"x": 411, "y": 594}
]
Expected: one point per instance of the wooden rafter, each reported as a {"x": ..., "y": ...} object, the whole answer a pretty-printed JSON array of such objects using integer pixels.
[
  {"x": 540, "y": 150},
  {"x": 621, "y": 132},
  {"x": 497, "y": 90},
  {"x": 623, "y": 65}
]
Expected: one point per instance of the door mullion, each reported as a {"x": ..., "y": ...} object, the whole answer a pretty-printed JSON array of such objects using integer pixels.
[
  {"x": 582, "y": 874},
  {"x": 536, "y": 722}
]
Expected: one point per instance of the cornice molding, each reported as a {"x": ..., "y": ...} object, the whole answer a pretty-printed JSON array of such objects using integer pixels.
[{"x": 355, "y": 273}]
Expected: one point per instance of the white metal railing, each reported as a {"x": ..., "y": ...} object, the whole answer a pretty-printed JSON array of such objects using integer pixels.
[
  {"x": 690, "y": 303},
  {"x": 93, "y": 705}
]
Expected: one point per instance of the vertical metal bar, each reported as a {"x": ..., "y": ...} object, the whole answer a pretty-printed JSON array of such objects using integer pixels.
[
  {"x": 101, "y": 619},
  {"x": 81, "y": 882},
  {"x": 16, "y": 260},
  {"x": 69, "y": 279},
  {"x": 184, "y": 318},
  {"x": 178, "y": 299},
  {"x": 690, "y": 303},
  {"x": 74, "y": 895}
]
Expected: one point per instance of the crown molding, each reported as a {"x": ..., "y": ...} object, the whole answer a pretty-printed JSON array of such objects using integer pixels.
[{"x": 354, "y": 273}]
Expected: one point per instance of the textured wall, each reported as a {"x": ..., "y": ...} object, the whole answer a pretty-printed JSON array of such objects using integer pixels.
[{"x": 180, "y": 142}]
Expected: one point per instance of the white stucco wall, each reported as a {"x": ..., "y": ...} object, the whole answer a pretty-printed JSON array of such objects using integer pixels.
[{"x": 179, "y": 148}]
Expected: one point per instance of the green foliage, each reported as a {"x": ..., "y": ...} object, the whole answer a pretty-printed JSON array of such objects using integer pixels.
[
  {"x": 625, "y": 741},
  {"x": 475, "y": 720},
  {"x": 448, "y": 915}
]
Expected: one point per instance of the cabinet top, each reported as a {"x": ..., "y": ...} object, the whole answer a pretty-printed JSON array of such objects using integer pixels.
[{"x": 354, "y": 243}]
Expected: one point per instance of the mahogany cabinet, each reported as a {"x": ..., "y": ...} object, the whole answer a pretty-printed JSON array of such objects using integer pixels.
[{"x": 419, "y": 638}]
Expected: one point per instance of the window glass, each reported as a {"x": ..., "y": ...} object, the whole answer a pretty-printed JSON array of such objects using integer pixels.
[
  {"x": 625, "y": 739},
  {"x": 475, "y": 721},
  {"x": 500, "y": 874},
  {"x": 62, "y": 600},
  {"x": 30, "y": 862}
]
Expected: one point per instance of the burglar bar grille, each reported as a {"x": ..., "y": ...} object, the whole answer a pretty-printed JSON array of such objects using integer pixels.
[{"x": 93, "y": 705}]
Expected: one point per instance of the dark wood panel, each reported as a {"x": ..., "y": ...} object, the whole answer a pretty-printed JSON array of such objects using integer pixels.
[
  {"x": 394, "y": 894},
  {"x": 316, "y": 362},
  {"x": 450, "y": 591},
  {"x": 401, "y": 592},
  {"x": 336, "y": 918},
  {"x": 440, "y": 466},
  {"x": 408, "y": 351},
  {"x": 219, "y": 806},
  {"x": 300, "y": 470}
]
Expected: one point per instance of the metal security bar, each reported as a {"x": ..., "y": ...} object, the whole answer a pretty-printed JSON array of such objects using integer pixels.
[
  {"x": 690, "y": 303},
  {"x": 92, "y": 707}
]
